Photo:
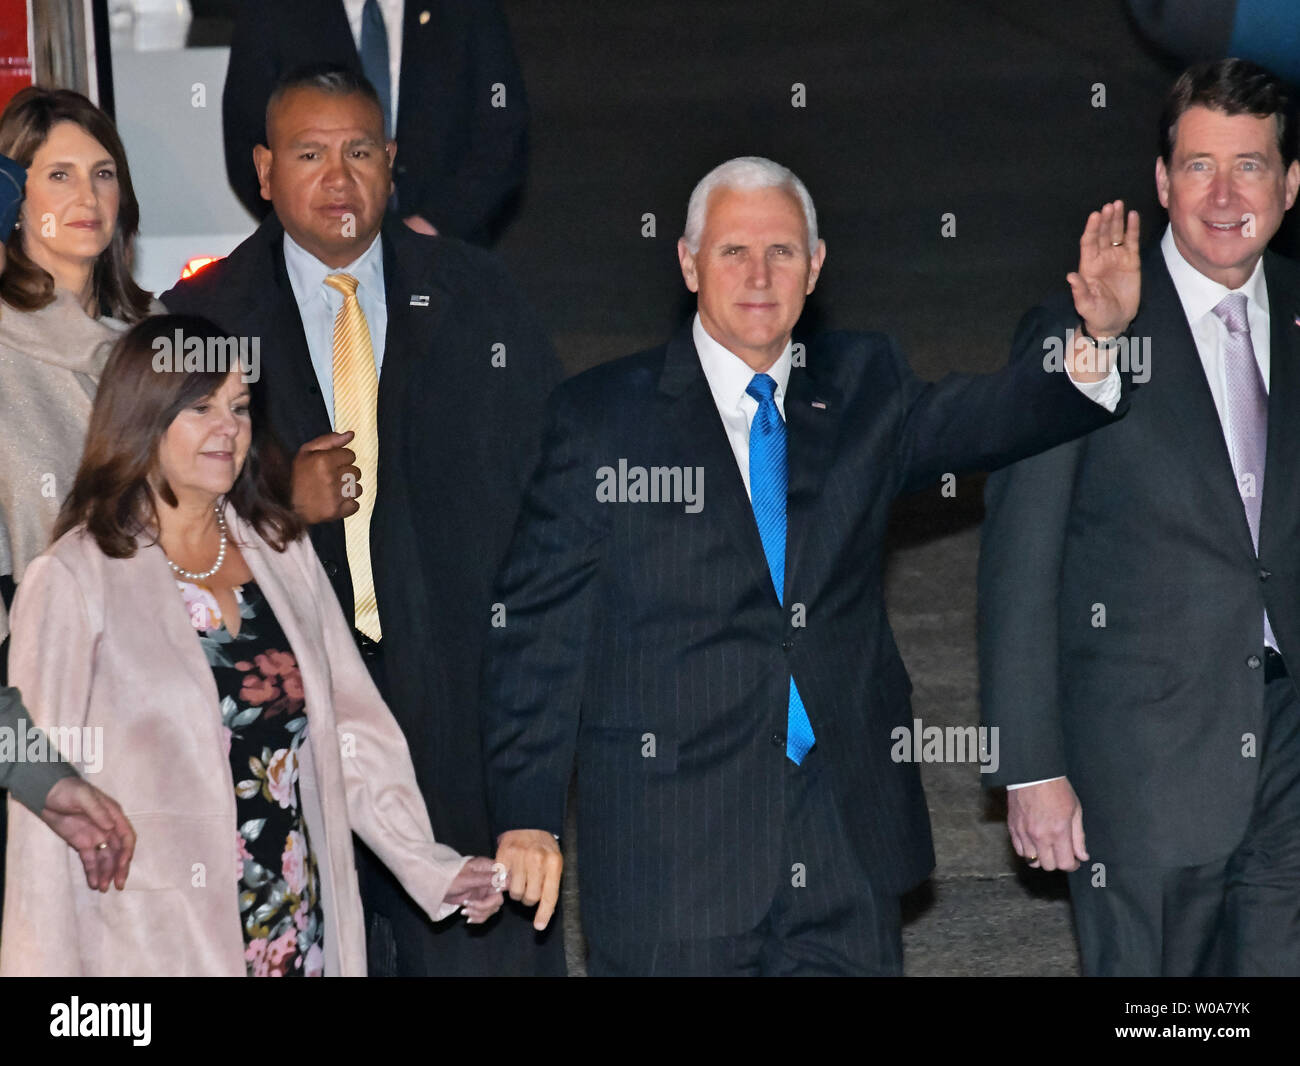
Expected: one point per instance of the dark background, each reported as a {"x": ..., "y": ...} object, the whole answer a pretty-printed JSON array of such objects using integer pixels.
[{"x": 982, "y": 109}]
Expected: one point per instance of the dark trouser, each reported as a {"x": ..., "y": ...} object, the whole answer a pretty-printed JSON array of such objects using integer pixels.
[
  {"x": 826, "y": 919},
  {"x": 401, "y": 940},
  {"x": 1239, "y": 916}
]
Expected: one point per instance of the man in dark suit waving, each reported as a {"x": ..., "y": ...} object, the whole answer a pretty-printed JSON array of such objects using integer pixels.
[
  {"x": 424, "y": 357},
  {"x": 692, "y": 601},
  {"x": 1140, "y": 588}
]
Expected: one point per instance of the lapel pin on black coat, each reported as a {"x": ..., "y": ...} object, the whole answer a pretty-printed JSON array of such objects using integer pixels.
[{"x": 418, "y": 300}]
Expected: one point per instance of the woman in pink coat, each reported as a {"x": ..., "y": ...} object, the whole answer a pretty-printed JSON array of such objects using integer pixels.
[{"x": 183, "y": 628}]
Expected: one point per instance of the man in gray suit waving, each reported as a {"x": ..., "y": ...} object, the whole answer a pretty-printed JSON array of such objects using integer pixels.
[{"x": 1140, "y": 588}]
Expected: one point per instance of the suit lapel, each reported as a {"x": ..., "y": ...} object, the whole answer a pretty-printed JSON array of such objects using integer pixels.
[
  {"x": 696, "y": 429},
  {"x": 812, "y": 418},
  {"x": 1184, "y": 401},
  {"x": 407, "y": 278},
  {"x": 338, "y": 32},
  {"x": 414, "y": 45},
  {"x": 279, "y": 324},
  {"x": 1283, "y": 455}
]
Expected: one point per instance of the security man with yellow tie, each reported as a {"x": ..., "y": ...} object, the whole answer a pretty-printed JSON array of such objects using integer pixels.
[{"x": 410, "y": 376}]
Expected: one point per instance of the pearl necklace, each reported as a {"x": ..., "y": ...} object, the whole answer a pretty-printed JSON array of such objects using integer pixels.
[{"x": 189, "y": 575}]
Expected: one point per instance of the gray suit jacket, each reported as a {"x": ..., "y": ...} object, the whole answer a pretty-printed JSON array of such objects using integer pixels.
[
  {"x": 30, "y": 782},
  {"x": 1121, "y": 603}
]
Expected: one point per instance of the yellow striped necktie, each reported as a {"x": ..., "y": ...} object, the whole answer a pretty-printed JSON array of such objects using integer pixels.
[{"x": 356, "y": 403}]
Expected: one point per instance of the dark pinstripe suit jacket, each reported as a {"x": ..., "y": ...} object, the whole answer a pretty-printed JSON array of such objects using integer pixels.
[{"x": 649, "y": 638}]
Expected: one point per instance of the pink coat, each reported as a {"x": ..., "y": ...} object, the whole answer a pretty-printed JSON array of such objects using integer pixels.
[{"x": 107, "y": 643}]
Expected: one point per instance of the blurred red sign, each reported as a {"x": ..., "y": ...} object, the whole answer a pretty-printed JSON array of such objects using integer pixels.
[{"x": 15, "y": 49}]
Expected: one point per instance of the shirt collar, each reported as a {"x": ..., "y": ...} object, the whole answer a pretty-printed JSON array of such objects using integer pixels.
[
  {"x": 729, "y": 375},
  {"x": 1200, "y": 295},
  {"x": 308, "y": 273}
]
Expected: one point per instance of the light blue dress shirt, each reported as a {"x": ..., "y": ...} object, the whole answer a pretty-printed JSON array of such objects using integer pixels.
[{"x": 319, "y": 306}]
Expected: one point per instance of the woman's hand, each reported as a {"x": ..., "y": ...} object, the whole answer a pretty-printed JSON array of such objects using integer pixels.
[{"x": 477, "y": 889}]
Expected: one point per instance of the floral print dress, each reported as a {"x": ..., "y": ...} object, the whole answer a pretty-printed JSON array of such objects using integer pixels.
[{"x": 265, "y": 723}]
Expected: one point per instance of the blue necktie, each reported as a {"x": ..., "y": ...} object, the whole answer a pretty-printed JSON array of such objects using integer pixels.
[
  {"x": 767, "y": 486},
  {"x": 374, "y": 59}
]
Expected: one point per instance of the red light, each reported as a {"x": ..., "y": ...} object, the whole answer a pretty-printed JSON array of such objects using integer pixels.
[{"x": 196, "y": 264}]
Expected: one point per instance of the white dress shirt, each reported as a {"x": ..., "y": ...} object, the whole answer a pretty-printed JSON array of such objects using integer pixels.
[
  {"x": 319, "y": 306},
  {"x": 393, "y": 12},
  {"x": 729, "y": 376},
  {"x": 1199, "y": 296}
]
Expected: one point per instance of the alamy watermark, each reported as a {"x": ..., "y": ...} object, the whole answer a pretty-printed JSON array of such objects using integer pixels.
[
  {"x": 652, "y": 484},
  {"x": 1132, "y": 355},
  {"x": 83, "y": 745},
  {"x": 180, "y": 354},
  {"x": 947, "y": 744}
]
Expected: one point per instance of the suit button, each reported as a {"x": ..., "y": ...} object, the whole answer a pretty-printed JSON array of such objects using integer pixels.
[
  {"x": 778, "y": 741},
  {"x": 1264, "y": 575},
  {"x": 331, "y": 569},
  {"x": 787, "y": 644},
  {"x": 1253, "y": 662}
]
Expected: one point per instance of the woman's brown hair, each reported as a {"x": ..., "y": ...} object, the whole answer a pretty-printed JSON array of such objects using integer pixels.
[
  {"x": 140, "y": 394},
  {"x": 24, "y": 128}
]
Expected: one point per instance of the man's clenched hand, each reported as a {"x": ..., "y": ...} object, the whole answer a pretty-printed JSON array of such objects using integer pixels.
[
  {"x": 319, "y": 470},
  {"x": 533, "y": 863},
  {"x": 1046, "y": 825}
]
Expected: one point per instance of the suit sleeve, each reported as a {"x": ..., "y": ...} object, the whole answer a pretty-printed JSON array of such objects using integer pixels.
[
  {"x": 1022, "y": 551},
  {"x": 464, "y": 203},
  {"x": 51, "y": 660},
  {"x": 986, "y": 421},
  {"x": 384, "y": 803},
  {"x": 30, "y": 782},
  {"x": 535, "y": 663},
  {"x": 249, "y": 77}
]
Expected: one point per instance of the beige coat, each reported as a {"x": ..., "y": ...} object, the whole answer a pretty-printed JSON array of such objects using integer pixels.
[
  {"x": 107, "y": 643},
  {"x": 50, "y": 363}
]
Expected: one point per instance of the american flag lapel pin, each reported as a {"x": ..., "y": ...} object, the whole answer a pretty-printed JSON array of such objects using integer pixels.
[
  {"x": 1297, "y": 320},
  {"x": 819, "y": 404},
  {"x": 419, "y": 300}
]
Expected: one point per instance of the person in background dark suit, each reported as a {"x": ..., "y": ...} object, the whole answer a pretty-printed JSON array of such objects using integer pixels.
[
  {"x": 1204, "y": 30},
  {"x": 1139, "y": 589},
  {"x": 422, "y": 354},
  {"x": 451, "y": 89},
  {"x": 719, "y": 658}
]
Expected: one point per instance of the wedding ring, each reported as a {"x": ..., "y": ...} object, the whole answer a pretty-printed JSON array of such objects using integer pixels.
[
  {"x": 1116, "y": 244},
  {"x": 1031, "y": 858},
  {"x": 101, "y": 845}
]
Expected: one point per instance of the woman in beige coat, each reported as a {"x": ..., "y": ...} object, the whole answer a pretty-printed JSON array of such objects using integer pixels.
[
  {"x": 67, "y": 296},
  {"x": 183, "y": 623}
]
